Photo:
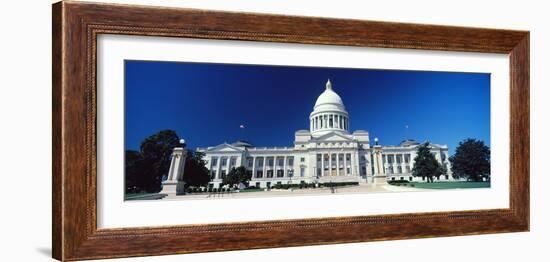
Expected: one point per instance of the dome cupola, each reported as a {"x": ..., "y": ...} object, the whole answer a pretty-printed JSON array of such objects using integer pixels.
[
  {"x": 329, "y": 113},
  {"x": 329, "y": 99}
]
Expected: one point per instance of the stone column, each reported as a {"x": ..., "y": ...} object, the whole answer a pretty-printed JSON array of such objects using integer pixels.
[
  {"x": 394, "y": 164},
  {"x": 264, "y": 171},
  {"x": 322, "y": 164},
  {"x": 338, "y": 164},
  {"x": 356, "y": 163},
  {"x": 316, "y": 122},
  {"x": 219, "y": 168},
  {"x": 174, "y": 185},
  {"x": 228, "y": 167},
  {"x": 275, "y": 166},
  {"x": 253, "y": 168},
  {"x": 379, "y": 177},
  {"x": 285, "y": 172},
  {"x": 171, "y": 171},
  {"x": 330, "y": 163}
]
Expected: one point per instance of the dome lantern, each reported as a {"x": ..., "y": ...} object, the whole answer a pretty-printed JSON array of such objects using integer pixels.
[{"x": 329, "y": 85}]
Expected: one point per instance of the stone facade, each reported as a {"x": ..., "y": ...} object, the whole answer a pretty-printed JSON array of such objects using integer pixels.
[{"x": 327, "y": 152}]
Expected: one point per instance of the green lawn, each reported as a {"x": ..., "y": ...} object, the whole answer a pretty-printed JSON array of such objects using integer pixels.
[{"x": 449, "y": 185}]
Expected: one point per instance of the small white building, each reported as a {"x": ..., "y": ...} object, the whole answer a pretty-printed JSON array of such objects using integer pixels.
[{"x": 327, "y": 152}]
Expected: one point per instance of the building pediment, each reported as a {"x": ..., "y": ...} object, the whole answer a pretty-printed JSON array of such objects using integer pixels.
[
  {"x": 224, "y": 148},
  {"x": 334, "y": 137}
]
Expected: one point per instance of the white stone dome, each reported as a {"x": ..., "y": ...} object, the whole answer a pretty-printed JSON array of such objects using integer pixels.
[
  {"x": 329, "y": 114},
  {"x": 329, "y": 100}
]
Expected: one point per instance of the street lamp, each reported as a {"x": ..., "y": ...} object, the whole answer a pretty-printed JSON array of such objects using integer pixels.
[{"x": 182, "y": 142}]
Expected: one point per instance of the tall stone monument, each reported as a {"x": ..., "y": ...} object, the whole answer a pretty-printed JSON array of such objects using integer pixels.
[
  {"x": 379, "y": 177},
  {"x": 174, "y": 184}
]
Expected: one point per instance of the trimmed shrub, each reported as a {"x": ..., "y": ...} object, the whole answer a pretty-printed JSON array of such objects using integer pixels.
[{"x": 398, "y": 182}]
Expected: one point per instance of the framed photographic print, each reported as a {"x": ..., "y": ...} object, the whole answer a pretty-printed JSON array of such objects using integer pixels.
[{"x": 182, "y": 130}]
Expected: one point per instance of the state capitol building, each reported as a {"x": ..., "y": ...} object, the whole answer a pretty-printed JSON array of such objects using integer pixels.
[{"x": 327, "y": 152}]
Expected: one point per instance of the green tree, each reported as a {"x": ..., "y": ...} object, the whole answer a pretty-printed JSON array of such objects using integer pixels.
[
  {"x": 237, "y": 175},
  {"x": 472, "y": 160},
  {"x": 195, "y": 172},
  {"x": 144, "y": 170},
  {"x": 132, "y": 172},
  {"x": 425, "y": 164}
]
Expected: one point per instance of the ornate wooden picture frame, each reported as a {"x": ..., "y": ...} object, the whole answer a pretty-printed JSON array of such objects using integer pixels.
[{"x": 76, "y": 26}]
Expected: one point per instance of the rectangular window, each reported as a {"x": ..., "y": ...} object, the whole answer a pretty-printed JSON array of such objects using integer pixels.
[
  {"x": 407, "y": 158},
  {"x": 233, "y": 161},
  {"x": 213, "y": 174},
  {"x": 223, "y": 174},
  {"x": 303, "y": 159},
  {"x": 224, "y": 161},
  {"x": 270, "y": 162},
  {"x": 257, "y": 184},
  {"x": 291, "y": 161},
  {"x": 214, "y": 161},
  {"x": 410, "y": 178},
  {"x": 280, "y": 173},
  {"x": 302, "y": 171},
  {"x": 408, "y": 168},
  {"x": 318, "y": 171},
  {"x": 259, "y": 174},
  {"x": 269, "y": 173},
  {"x": 281, "y": 161},
  {"x": 260, "y": 162},
  {"x": 348, "y": 171},
  {"x": 399, "y": 170},
  {"x": 250, "y": 162},
  {"x": 268, "y": 185},
  {"x": 363, "y": 170}
]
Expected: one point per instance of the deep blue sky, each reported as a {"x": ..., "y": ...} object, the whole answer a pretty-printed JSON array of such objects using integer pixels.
[{"x": 206, "y": 103}]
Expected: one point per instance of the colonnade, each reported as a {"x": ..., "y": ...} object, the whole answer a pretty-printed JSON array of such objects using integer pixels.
[{"x": 328, "y": 121}]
